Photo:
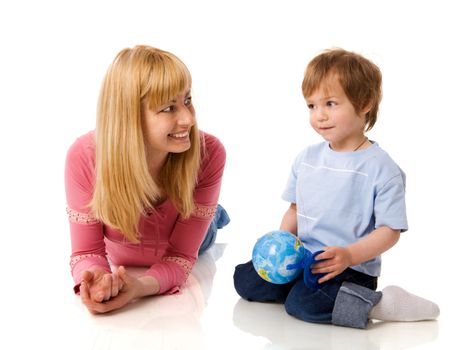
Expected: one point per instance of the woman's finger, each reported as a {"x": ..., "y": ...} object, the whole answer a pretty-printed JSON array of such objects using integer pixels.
[
  {"x": 84, "y": 292},
  {"x": 121, "y": 276},
  {"x": 87, "y": 276},
  {"x": 114, "y": 285},
  {"x": 101, "y": 290},
  {"x": 98, "y": 296},
  {"x": 107, "y": 286},
  {"x": 85, "y": 297}
]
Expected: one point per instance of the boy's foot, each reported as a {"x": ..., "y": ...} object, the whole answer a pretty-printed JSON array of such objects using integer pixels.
[{"x": 399, "y": 305}]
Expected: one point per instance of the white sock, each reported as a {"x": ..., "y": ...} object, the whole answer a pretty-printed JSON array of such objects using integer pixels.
[{"x": 399, "y": 305}]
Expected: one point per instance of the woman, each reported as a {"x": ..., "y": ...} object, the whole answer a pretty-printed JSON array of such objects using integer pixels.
[{"x": 142, "y": 189}]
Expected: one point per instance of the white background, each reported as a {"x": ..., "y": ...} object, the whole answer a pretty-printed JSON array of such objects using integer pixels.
[{"x": 247, "y": 60}]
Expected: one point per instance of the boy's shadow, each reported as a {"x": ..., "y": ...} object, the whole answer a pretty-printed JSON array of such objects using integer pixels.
[{"x": 284, "y": 331}]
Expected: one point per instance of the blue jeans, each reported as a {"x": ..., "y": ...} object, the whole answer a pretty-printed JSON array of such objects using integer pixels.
[
  {"x": 313, "y": 305},
  {"x": 220, "y": 220}
]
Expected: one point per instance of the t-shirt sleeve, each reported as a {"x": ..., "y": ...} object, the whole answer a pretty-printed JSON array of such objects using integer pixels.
[
  {"x": 188, "y": 234},
  {"x": 87, "y": 241},
  {"x": 390, "y": 204},
  {"x": 290, "y": 191}
]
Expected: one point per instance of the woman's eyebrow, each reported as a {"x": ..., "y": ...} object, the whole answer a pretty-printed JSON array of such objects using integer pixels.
[{"x": 186, "y": 95}]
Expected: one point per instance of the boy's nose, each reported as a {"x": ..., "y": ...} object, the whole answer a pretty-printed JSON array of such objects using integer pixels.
[{"x": 321, "y": 115}]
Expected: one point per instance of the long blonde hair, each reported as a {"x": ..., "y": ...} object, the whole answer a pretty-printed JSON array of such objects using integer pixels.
[{"x": 124, "y": 188}]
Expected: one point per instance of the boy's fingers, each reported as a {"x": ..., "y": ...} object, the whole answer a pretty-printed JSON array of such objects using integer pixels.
[
  {"x": 324, "y": 269},
  {"x": 327, "y": 254},
  {"x": 327, "y": 277}
]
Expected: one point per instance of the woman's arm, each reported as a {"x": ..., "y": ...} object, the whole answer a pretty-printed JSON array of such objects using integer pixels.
[{"x": 87, "y": 241}]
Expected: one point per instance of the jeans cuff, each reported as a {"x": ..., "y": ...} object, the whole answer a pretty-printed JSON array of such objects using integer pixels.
[{"x": 353, "y": 304}]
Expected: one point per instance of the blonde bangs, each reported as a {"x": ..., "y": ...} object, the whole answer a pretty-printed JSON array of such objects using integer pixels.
[{"x": 168, "y": 77}]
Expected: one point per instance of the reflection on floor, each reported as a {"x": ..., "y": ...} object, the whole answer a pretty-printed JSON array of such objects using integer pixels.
[
  {"x": 208, "y": 314},
  {"x": 168, "y": 322},
  {"x": 286, "y": 332}
]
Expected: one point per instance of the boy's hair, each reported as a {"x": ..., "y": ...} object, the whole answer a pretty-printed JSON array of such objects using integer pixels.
[
  {"x": 124, "y": 188},
  {"x": 359, "y": 77}
]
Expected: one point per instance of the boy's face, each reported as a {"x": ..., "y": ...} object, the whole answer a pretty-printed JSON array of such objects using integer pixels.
[{"x": 333, "y": 116}]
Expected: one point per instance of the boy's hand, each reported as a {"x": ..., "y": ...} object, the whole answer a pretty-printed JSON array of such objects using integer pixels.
[{"x": 336, "y": 260}]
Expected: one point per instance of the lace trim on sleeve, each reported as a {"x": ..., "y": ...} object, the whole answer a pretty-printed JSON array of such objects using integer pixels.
[
  {"x": 80, "y": 218},
  {"x": 183, "y": 263},
  {"x": 77, "y": 258},
  {"x": 204, "y": 211}
]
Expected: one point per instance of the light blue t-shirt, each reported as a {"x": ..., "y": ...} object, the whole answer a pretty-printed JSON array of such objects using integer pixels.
[{"x": 343, "y": 196}]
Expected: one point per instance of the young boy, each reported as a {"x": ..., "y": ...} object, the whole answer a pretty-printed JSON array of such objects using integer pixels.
[{"x": 347, "y": 200}]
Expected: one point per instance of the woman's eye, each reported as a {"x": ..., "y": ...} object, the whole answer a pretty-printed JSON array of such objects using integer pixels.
[
  {"x": 331, "y": 103},
  {"x": 188, "y": 101},
  {"x": 168, "y": 109}
]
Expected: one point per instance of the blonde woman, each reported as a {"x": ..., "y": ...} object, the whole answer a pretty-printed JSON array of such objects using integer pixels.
[{"x": 142, "y": 189}]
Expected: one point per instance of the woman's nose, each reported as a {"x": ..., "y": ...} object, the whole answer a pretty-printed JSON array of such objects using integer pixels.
[{"x": 185, "y": 117}]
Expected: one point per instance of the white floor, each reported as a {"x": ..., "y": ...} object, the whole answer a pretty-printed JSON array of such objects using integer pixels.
[{"x": 208, "y": 314}]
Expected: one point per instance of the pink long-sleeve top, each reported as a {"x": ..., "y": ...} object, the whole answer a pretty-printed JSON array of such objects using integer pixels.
[{"x": 169, "y": 243}]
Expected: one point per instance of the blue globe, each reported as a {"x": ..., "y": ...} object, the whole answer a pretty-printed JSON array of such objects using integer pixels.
[{"x": 274, "y": 252}]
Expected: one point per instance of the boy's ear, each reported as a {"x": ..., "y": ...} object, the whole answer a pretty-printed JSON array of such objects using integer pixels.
[{"x": 364, "y": 111}]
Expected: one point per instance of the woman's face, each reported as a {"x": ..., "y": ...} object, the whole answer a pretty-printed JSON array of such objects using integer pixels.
[{"x": 167, "y": 128}]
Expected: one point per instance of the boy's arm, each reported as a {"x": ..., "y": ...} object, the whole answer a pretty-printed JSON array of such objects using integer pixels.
[
  {"x": 289, "y": 221},
  {"x": 373, "y": 245},
  {"x": 337, "y": 259}
]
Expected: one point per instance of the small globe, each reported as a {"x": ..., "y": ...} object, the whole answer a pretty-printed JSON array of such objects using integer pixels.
[{"x": 274, "y": 252}]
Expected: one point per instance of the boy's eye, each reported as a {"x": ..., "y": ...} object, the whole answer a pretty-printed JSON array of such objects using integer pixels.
[
  {"x": 188, "y": 101},
  {"x": 331, "y": 103},
  {"x": 311, "y": 106}
]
